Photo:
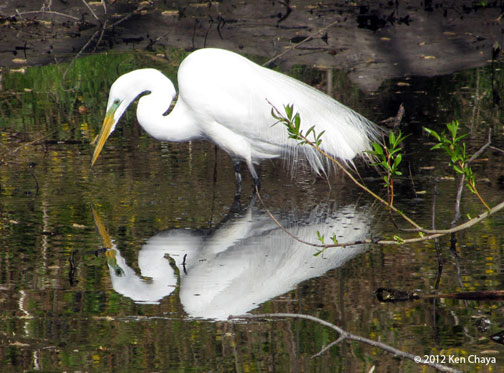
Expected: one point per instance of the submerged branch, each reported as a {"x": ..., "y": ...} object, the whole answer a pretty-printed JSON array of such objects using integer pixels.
[
  {"x": 394, "y": 295},
  {"x": 346, "y": 335},
  {"x": 13, "y": 151}
]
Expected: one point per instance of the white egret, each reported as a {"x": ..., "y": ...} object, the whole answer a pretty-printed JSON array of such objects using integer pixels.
[{"x": 226, "y": 98}]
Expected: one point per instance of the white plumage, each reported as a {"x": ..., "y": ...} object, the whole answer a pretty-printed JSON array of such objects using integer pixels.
[{"x": 226, "y": 98}]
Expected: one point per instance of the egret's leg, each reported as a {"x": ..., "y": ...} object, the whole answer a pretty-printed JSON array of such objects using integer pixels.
[
  {"x": 255, "y": 178},
  {"x": 236, "y": 206},
  {"x": 257, "y": 183},
  {"x": 238, "y": 177}
]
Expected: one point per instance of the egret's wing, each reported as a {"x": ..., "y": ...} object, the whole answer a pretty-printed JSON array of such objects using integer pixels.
[{"x": 239, "y": 95}]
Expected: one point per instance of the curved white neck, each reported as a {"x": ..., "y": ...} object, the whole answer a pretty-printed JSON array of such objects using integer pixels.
[{"x": 178, "y": 125}]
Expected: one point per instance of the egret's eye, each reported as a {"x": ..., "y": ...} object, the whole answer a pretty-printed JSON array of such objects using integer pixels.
[{"x": 116, "y": 101}]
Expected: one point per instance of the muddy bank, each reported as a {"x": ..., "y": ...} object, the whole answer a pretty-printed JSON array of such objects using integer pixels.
[{"x": 372, "y": 42}]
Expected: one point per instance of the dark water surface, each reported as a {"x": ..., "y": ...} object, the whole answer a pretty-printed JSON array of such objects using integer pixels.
[{"x": 180, "y": 261}]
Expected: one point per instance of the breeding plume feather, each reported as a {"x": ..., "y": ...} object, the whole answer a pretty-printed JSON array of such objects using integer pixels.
[{"x": 227, "y": 99}]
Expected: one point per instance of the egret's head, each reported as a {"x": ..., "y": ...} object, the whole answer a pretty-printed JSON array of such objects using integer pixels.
[
  {"x": 122, "y": 93},
  {"x": 111, "y": 255}
]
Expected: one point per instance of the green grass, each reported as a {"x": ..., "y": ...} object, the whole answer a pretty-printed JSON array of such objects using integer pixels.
[{"x": 39, "y": 100}]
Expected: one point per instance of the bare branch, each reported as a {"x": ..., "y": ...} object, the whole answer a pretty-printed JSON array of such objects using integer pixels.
[
  {"x": 329, "y": 346},
  {"x": 47, "y": 12},
  {"x": 129, "y": 15},
  {"x": 80, "y": 52},
  {"x": 496, "y": 149},
  {"x": 322, "y": 246},
  {"x": 91, "y": 9},
  {"x": 25, "y": 145},
  {"x": 101, "y": 32},
  {"x": 292, "y": 47},
  {"x": 346, "y": 335}
]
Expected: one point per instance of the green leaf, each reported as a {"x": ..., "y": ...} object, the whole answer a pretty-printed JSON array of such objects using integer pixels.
[
  {"x": 320, "y": 238},
  {"x": 377, "y": 148},
  {"x": 432, "y": 133},
  {"x": 471, "y": 188},
  {"x": 397, "y": 160},
  {"x": 391, "y": 138},
  {"x": 297, "y": 121},
  {"x": 387, "y": 180},
  {"x": 461, "y": 137},
  {"x": 398, "y": 239},
  {"x": 334, "y": 239},
  {"x": 288, "y": 111},
  {"x": 310, "y": 130},
  {"x": 457, "y": 169},
  {"x": 319, "y": 138}
]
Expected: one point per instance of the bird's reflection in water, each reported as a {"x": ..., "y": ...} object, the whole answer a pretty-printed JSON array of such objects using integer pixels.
[{"x": 244, "y": 262}]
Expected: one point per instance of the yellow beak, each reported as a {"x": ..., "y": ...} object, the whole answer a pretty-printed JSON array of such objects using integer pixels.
[
  {"x": 107, "y": 242},
  {"x": 111, "y": 255},
  {"x": 105, "y": 132}
]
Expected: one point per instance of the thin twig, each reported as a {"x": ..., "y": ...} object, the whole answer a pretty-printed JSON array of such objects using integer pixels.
[
  {"x": 104, "y": 3},
  {"x": 496, "y": 149},
  {"x": 458, "y": 199},
  {"x": 91, "y": 10},
  {"x": 79, "y": 53},
  {"x": 292, "y": 47},
  {"x": 436, "y": 241},
  {"x": 31, "y": 165},
  {"x": 346, "y": 335},
  {"x": 456, "y": 215},
  {"x": 475, "y": 156},
  {"x": 24, "y": 145},
  {"x": 104, "y": 26},
  {"x": 47, "y": 12},
  {"x": 101, "y": 31},
  {"x": 329, "y": 346},
  {"x": 442, "y": 232},
  {"x": 129, "y": 15},
  {"x": 323, "y": 246}
]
